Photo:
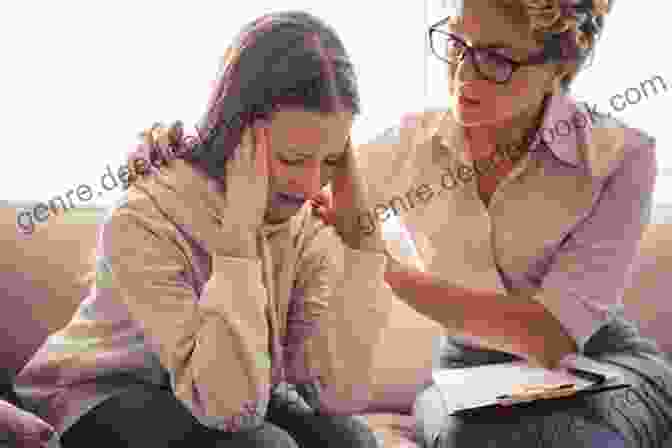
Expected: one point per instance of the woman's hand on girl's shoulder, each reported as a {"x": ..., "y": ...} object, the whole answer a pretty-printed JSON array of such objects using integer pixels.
[{"x": 159, "y": 145}]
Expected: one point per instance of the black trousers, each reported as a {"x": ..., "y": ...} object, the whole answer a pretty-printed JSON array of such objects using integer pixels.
[
  {"x": 7, "y": 394},
  {"x": 639, "y": 417},
  {"x": 7, "y": 390},
  {"x": 148, "y": 416}
]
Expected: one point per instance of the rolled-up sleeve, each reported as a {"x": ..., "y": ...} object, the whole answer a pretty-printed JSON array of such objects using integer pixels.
[{"x": 587, "y": 279}]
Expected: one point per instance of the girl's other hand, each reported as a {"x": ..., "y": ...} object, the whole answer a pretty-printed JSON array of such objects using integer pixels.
[
  {"x": 323, "y": 206},
  {"x": 346, "y": 205}
]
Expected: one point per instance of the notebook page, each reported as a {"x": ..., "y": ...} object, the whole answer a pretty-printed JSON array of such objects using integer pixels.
[{"x": 479, "y": 386}]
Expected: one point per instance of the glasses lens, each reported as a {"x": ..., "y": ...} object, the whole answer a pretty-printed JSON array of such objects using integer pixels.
[
  {"x": 493, "y": 66},
  {"x": 490, "y": 64},
  {"x": 446, "y": 47}
]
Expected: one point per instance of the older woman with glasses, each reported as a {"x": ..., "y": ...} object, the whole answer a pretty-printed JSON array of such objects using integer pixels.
[{"x": 526, "y": 210}]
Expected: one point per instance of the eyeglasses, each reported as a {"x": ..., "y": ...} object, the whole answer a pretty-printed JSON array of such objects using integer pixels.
[{"x": 490, "y": 64}]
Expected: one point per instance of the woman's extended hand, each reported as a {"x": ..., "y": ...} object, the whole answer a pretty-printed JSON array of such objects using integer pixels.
[{"x": 347, "y": 204}]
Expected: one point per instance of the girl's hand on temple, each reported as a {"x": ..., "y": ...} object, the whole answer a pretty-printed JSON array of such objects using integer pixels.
[
  {"x": 323, "y": 206},
  {"x": 224, "y": 214},
  {"x": 247, "y": 185},
  {"x": 346, "y": 205},
  {"x": 240, "y": 200}
]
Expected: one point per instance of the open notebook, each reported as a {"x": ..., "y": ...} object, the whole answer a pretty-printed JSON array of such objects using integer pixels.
[{"x": 472, "y": 388}]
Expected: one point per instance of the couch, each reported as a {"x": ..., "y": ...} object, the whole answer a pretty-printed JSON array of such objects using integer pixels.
[{"x": 41, "y": 284}]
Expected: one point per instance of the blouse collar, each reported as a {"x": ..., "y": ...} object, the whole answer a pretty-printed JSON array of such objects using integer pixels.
[{"x": 565, "y": 128}]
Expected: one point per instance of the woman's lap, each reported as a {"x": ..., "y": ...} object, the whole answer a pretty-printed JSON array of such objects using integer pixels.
[
  {"x": 638, "y": 417},
  {"x": 147, "y": 416}
]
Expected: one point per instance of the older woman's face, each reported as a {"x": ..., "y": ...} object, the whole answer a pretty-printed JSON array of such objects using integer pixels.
[{"x": 476, "y": 101}]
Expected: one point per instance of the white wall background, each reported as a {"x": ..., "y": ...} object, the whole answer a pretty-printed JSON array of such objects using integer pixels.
[{"x": 81, "y": 79}]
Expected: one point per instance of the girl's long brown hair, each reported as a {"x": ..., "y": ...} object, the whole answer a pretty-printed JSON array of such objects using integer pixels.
[{"x": 283, "y": 59}]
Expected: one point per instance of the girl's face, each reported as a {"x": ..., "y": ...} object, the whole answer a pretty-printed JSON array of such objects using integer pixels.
[
  {"x": 305, "y": 148},
  {"x": 476, "y": 101}
]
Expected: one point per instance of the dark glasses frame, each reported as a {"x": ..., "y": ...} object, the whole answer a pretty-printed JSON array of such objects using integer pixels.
[{"x": 536, "y": 59}]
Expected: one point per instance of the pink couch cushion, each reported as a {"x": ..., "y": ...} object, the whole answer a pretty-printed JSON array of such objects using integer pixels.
[
  {"x": 647, "y": 299},
  {"x": 39, "y": 281},
  {"x": 21, "y": 332}
]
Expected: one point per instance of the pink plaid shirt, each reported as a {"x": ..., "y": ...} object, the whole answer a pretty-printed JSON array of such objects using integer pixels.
[{"x": 562, "y": 227}]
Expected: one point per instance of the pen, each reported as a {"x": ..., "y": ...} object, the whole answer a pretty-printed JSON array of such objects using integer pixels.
[
  {"x": 531, "y": 393},
  {"x": 587, "y": 375}
]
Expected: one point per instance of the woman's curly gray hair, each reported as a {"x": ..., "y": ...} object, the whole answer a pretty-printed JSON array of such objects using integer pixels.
[{"x": 568, "y": 28}]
